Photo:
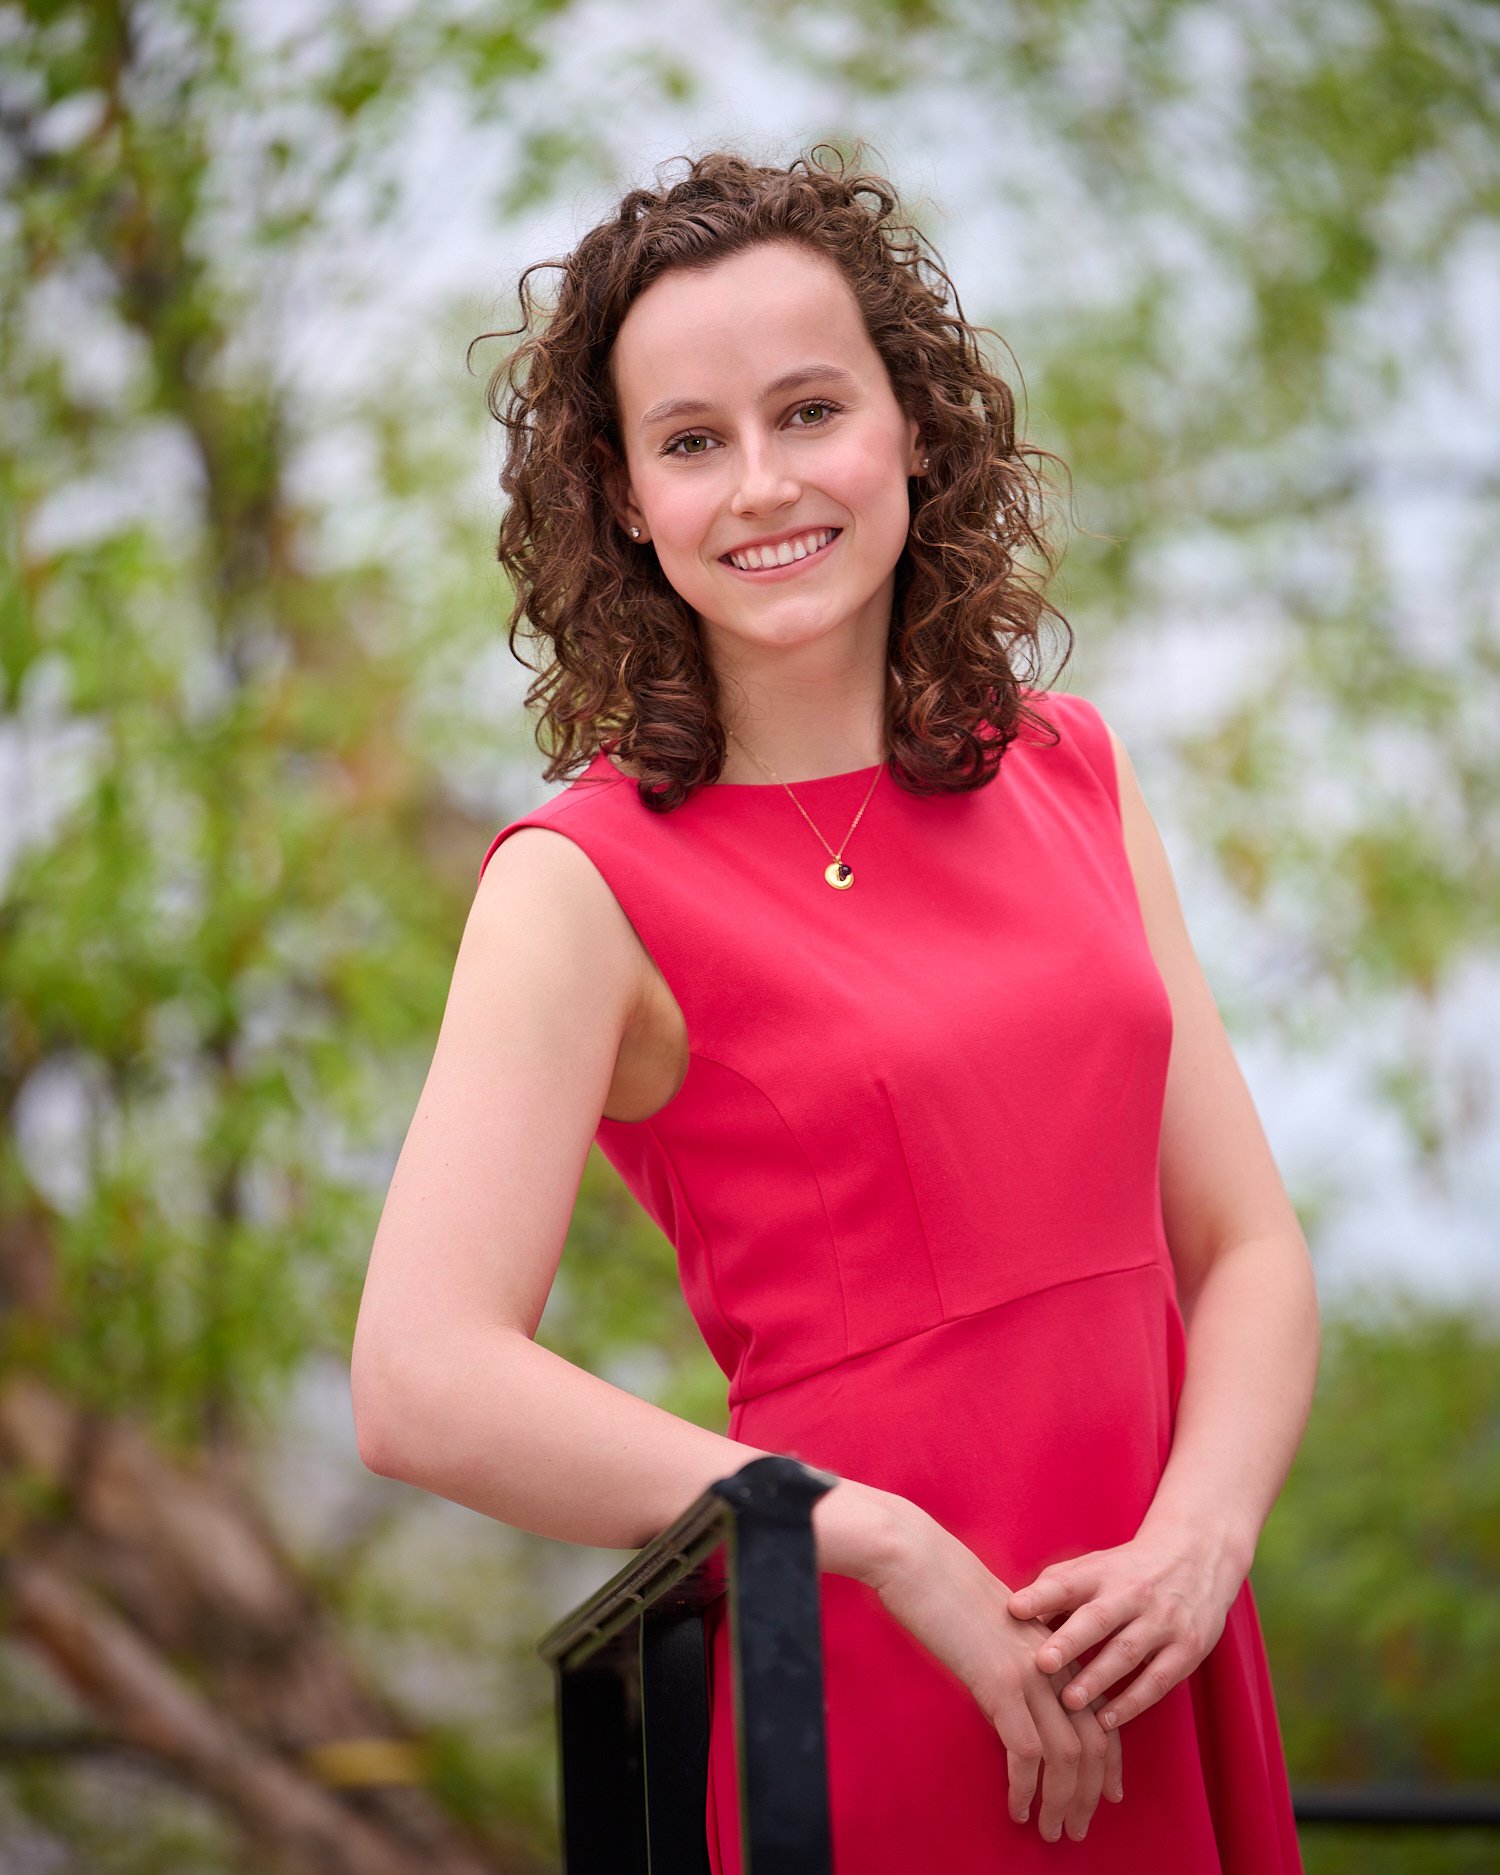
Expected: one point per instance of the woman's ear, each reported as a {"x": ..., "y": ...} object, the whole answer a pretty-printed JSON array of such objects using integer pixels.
[{"x": 617, "y": 491}]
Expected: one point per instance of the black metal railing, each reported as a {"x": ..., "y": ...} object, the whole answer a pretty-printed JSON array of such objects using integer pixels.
[
  {"x": 1398, "y": 1806},
  {"x": 632, "y": 1698},
  {"x": 632, "y": 1688}
]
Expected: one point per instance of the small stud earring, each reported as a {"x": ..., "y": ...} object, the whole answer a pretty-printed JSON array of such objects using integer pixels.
[
  {"x": 635, "y": 533},
  {"x": 925, "y": 461}
]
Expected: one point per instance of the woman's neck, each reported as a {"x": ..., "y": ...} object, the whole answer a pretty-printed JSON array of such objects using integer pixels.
[
  {"x": 788, "y": 758},
  {"x": 806, "y": 710}
]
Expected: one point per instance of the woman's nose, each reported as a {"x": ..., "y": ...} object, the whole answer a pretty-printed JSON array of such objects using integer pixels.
[{"x": 765, "y": 478}]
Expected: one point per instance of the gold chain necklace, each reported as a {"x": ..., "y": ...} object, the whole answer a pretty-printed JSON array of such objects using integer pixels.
[{"x": 839, "y": 875}]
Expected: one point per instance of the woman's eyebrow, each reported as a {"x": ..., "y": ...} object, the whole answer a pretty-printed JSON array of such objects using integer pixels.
[{"x": 671, "y": 408}]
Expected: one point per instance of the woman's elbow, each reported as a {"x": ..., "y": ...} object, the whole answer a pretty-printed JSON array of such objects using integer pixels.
[{"x": 375, "y": 1398}]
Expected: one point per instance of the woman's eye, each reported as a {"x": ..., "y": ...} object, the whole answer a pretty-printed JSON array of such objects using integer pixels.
[{"x": 682, "y": 446}]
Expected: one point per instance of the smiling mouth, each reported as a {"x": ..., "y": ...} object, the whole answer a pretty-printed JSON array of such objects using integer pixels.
[{"x": 757, "y": 562}]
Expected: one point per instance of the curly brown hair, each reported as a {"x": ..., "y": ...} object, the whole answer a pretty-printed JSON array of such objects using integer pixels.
[{"x": 627, "y": 668}]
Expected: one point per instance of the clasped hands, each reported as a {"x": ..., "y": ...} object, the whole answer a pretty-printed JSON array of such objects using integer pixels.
[{"x": 1154, "y": 1607}]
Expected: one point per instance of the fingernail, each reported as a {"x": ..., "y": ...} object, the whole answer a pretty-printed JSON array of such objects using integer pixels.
[
  {"x": 1108, "y": 1720},
  {"x": 1052, "y": 1834},
  {"x": 1050, "y": 1658},
  {"x": 1026, "y": 1814}
]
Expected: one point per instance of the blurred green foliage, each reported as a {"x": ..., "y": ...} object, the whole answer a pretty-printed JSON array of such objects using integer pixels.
[
  {"x": 1376, "y": 1575},
  {"x": 1401, "y": 1580}
]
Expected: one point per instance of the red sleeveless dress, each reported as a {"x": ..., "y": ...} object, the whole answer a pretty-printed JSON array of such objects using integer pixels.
[{"x": 911, "y": 1177}]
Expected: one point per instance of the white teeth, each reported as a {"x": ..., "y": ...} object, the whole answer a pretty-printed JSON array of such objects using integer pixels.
[{"x": 755, "y": 558}]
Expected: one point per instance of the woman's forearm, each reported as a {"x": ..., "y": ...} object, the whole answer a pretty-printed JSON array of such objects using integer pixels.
[
  {"x": 1253, "y": 1340},
  {"x": 495, "y": 1421}
]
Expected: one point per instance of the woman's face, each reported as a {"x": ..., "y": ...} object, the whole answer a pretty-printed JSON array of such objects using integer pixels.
[{"x": 756, "y": 412}]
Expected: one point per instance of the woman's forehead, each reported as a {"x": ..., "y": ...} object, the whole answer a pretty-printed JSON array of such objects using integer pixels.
[{"x": 748, "y": 320}]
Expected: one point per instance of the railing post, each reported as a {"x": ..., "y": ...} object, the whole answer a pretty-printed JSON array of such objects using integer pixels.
[
  {"x": 674, "y": 1687},
  {"x": 600, "y": 1759},
  {"x": 776, "y": 1638},
  {"x": 632, "y": 1688}
]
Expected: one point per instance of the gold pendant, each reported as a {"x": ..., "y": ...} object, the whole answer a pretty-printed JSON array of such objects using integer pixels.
[{"x": 839, "y": 876}]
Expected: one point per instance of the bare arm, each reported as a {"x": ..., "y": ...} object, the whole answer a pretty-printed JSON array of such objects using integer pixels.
[
  {"x": 1244, "y": 1275},
  {"x": 451, "y": 1391}
]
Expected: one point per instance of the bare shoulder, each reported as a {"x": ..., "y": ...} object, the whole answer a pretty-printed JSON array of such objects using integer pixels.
[
  {"x": 1155, "y": 885},
  {"x": 1143, "y": 844},
  {"x": 544, "y": 914}
]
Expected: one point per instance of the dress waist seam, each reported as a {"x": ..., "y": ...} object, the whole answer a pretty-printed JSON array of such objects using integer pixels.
[{"x": 736, "y": 1399}]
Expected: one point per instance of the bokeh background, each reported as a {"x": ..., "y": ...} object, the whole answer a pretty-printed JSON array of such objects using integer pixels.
[{"x": 258, "y": 721}]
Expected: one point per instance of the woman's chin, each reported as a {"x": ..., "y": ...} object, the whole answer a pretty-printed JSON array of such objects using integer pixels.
[{"x": 780, "y": 627}]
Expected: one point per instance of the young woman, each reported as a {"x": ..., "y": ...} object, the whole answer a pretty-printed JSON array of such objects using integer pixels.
[{"x": 860, "y": 957}]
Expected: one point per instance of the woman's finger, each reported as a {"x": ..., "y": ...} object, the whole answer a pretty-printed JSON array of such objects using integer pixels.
[
  {"x": 1050, "y": 1592},
  {"x": 1023, "y": 1756},
  {"x": 1062, "y": 1756},
  {"x": 1114, "y": 1767},
  {"x": 1086, "y": 1627},
  {"x": 1156, "y": 1679},
  {"x": 1095, "y": 1743},
  {"x": 1099, "y": 1767},
  {"x": 1125, "y": 1653}
]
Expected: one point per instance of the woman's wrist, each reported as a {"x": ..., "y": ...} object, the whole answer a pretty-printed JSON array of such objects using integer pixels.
[
  {"x": 1230, "y": 1539},
  {"x": 864, "y": 1532}
]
